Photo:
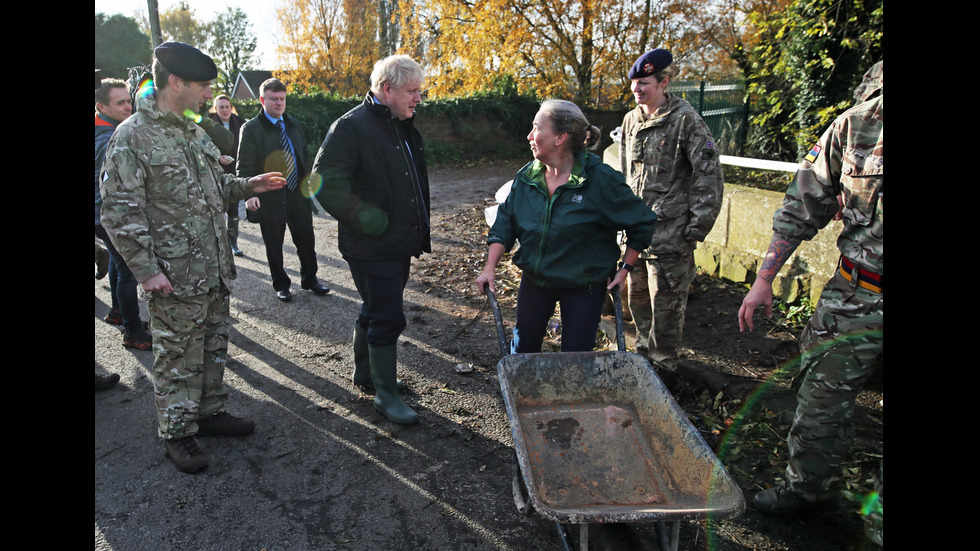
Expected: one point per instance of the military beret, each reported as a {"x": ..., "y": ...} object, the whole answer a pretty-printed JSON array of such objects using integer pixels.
[
  {"x": 186, "y": 61},
  {"x": 650, "y": 63}
]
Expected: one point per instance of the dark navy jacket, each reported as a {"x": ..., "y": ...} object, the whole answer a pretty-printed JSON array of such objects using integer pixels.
[{"x": 376, "y": 188}]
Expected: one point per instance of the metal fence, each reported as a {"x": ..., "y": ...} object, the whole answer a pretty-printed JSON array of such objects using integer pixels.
[{"x": 722, "y": 106}]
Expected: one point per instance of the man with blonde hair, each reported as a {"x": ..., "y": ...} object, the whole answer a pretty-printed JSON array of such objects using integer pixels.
[{"x": 371, "y": 168}]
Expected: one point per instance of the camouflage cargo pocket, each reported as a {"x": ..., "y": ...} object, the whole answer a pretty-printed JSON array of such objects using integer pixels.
[
  {"x": 174, "y": 258},
  {"x": 862, "y": 174}
]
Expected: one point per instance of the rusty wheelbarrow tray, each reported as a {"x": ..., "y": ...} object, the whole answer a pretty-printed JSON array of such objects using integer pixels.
[{"x": 600, "y": 439}]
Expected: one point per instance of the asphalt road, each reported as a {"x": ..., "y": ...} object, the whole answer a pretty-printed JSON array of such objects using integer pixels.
[{"x": 323, "y": 470}]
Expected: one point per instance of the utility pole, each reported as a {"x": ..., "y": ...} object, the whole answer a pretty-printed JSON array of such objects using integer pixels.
[{"x": 156, "y": 37}]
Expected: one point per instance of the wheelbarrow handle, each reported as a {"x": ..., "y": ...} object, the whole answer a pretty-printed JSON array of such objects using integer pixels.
[
  {"x": 618, "y": 304},
  {"x": 495, "y": 306}
]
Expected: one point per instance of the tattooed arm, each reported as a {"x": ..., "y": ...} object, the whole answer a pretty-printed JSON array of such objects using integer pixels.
[{"x": 780, "y": 249}]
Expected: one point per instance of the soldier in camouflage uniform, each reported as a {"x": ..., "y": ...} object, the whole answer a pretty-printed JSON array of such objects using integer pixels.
[
  {"x": 842, "y": 343},
  {"x": 164, "y": 197},
  {"x": 669, "y": 159}
]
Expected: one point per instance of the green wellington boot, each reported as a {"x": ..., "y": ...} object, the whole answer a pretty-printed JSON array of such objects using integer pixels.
[
  {"x": 384, "y": 366},
  {"x": 362, "y": 363}
]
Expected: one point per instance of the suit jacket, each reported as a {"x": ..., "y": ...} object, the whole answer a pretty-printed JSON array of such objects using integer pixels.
[{"x": 260, "y": 151}]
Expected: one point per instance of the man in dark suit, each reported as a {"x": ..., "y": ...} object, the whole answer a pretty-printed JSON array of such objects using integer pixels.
[{"x": 274, "y": 139}]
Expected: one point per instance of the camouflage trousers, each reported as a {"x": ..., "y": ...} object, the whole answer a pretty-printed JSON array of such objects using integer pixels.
[
  {"x": 658, "y": 289},
  {"x": 190, "y": 349},
  {"x": 841, "y": 347}
]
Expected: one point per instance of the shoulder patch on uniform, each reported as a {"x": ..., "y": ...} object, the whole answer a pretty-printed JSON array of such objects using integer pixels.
[
  {"x": 813, "y": 154},
  {"x": 708, "y": 151}
]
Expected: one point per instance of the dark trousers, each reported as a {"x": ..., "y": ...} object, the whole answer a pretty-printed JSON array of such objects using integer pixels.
[
  {"x": 381, "y": 284},
  {"x": 581, "y": 310},
  {"x": 300, "y": 224},
  {"x": 122, "y": 286}
]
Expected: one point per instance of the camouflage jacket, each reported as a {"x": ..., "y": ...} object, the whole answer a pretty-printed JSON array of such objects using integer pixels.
[
  {"x": 670, "y": 160},
  {"x": 848, "y": 160},
  {"x": 164, "y": 198}
]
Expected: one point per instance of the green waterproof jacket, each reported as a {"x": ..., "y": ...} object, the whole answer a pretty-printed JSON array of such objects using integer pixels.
[{"x": 568, "y": 241}]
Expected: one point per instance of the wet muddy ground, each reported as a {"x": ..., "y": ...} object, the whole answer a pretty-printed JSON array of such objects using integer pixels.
[{"x": 325, "y": 471}]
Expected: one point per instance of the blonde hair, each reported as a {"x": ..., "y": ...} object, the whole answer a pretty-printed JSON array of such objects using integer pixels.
[
  {"x": 566, "y": 117},
  {"x": 396, "y": 70},
  {"x": 669, "y": 71}
]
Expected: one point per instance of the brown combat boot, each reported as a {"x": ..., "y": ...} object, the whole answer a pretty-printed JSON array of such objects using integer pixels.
[
  {"x": 225, "y": 424},
  {"x": 782, "y": 500},
  {"x": 186, "y": 454}
]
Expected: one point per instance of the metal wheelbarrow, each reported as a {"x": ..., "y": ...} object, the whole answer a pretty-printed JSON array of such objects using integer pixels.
[{"x": 599, "y": 439}]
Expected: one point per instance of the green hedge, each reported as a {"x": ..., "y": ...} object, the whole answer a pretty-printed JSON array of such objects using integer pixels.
[{"x": 317, "y": 111}]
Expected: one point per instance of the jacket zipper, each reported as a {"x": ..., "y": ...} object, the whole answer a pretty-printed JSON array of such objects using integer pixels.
[{"x": 412, "y": 173}]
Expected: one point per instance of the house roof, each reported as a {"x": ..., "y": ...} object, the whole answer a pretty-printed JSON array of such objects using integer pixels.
[{"x": 247, "y": 84}]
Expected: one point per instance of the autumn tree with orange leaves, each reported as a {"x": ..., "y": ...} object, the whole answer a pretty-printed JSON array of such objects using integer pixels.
[
  {"x": 576, "y": 49},
  {"x": 331, "y": 45}
]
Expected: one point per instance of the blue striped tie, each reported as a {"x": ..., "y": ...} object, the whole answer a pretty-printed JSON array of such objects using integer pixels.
[{"x": 290, "y": 171}]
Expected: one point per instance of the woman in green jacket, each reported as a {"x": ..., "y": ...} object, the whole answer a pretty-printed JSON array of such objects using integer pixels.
[{"x": 565, "y": 208}]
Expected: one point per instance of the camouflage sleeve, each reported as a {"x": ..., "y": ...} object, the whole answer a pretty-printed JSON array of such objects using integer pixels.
[
  {"x": 221, "y": 136},
  {"x": 234, "y": 188},
  {"x": 810, "y": 202},
  {"x": 622, "y": 145},
  {"x": 707, "y": 185},
  {"x": 123, "y": 208}
]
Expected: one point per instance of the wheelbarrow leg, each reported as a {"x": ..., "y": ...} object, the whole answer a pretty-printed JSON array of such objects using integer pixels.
[
  {"x": 521, "y": 499},
  {"x": 669, "y": 542},
  {"x": 566, "y": 543}
]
